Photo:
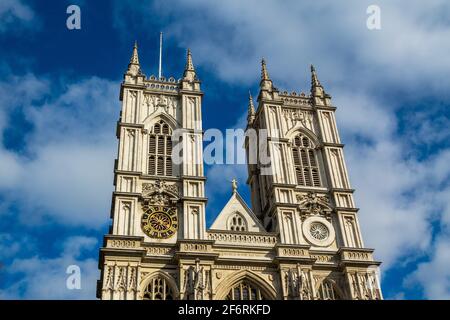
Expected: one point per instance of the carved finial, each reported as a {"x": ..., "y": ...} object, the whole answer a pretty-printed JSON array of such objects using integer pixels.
[
  {"x": 189, "y": 70},
  {"x": 316, "y": 88},
  {"x": 251, "y": 109},
  {"x": 314, "y": 79},
  {"x": 234, "y": 185},
  {"x": 264, "y": 73},
  {"x": 265, "y": 83},
  {"x": 135, "y": 57},
  {"x": 189, "y": 64},
  {"x": 133, "y": 67}
]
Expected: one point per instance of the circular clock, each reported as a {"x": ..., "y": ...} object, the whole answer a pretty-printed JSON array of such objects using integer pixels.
[{"x": 159, "y": 222}]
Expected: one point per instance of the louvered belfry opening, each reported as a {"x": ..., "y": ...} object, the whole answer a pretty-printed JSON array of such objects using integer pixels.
[
  {"x": 160, "y": 150},
  {"x": 305, "y": 162}
]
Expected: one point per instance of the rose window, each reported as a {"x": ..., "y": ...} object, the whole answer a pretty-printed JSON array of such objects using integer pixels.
[{"x": 319, "y": 231}]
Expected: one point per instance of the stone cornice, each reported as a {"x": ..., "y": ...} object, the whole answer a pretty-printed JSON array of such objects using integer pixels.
[
  {"x": 189, "y": 92},
  {"x": 333, "y": 190},
  {"x": 195, "y": 199},
  {"x": 311, "y": 189},
  {"x": 329, "y": 108},
  {"x": 126, "y": 194},
  {"x": 131, "y": 125},
  {"x": 116, "y": 252},
  {"x": 332, "y": 144},
  {"x": 357, "y": 257},
  {"x": 193, "y": 178},
  {"x": 340, "y": 209},
  {"x": 250, "y": 233}
]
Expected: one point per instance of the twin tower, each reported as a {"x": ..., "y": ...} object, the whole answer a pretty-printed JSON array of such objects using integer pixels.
[{"x": 300, "y": 240}]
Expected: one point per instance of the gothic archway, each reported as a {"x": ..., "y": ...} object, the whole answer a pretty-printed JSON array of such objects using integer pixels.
[
  {"x": 159, "y": 286},
  {"x": 245, "y": 285},
  {"x": 328, "y": 290}
]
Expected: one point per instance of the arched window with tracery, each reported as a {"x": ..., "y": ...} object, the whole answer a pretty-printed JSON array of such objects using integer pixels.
[
  {"x": 306, "y": 162},
  {"x": 327, "y": 291},
  {"x": 160, "y": 150},
  {"x": 245, "y": 291},
  {"x": 237, "y": 222},
  {"x": 158, "y": 289}
]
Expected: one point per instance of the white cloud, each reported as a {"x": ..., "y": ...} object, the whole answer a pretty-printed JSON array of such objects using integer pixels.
[
  {"x": 434, "y": 275},
  {"x": 13, "y": 13},
  {"x": 66, "y": 170},
  {"x": 395, "y": 196},
  {"x": 8, "y": 246},
  {"x": 45, "y": 278},
  {"x": 230, "y": 37}
]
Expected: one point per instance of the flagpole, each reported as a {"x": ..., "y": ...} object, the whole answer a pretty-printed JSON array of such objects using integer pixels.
[{"x": 160, "y": 54}]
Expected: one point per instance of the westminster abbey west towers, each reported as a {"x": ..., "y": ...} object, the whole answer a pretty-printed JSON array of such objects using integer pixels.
[{"x": 301, "y": 239}]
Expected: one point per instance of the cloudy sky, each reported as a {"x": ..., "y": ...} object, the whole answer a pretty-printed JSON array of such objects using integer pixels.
[{"x": 59, "y": 103}]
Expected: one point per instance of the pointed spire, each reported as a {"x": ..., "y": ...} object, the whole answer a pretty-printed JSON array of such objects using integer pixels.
[
  {"x": 316, "y": 87},
  {"x": 314, "y": 79},
  {"x": 265, "y": 83},
  {"x": 135, "y": 57},
  {"x": 251, "y": 109},
  {"x": 134, "y": 67},
  {"x": 189, "y": 64},
  {"x": 264, "y": 73},
  {"x": 189, "y": 70}
]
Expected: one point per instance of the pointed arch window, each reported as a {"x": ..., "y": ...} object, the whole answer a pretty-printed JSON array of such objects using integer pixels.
[
  {"x": 158, "y": 289},
  {"x": 237, "y": 222},
  {"x": 245, "y": 291},
  {"x": 306, "y": 162},
  {"x": 327, "y": 291},
  {"x": 160, "y": 150}
]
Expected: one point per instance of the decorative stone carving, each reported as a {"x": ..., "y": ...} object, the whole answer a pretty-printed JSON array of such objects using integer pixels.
[
  {"x": 154, "y": 102},
  {"x": 313, "y": 204},
  {"x": 321, "y": 258},
  {"x": 109, "y": 284},
  {"x": 150, "y": 101},
  {"x": 123, "y": 243},
  {"x": 132, "y": 279},
  {"x": 194, "y": 247},
  {"x": 298, "y": 284},
  {"x": 158, "y": 251},
  {"x": 159, "y": 186},
  {"x": 364, "y": 286},
  {"x": 294, "y": 252},
  {"x": 197, "y": 284},
  {"x": 304, "y": 117},
  {"x": 121, "y": 282},
  {"x": 243, "y": 267},
  {"x": 242, "y": 238},
  {"x": 159, "y": 193}
]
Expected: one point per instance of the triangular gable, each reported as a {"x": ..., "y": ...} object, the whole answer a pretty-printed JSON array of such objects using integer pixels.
[{"x": 237, "y": 204}]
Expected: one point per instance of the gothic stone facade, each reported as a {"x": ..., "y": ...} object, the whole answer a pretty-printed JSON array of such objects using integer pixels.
[{"x": 301, "y": 239}]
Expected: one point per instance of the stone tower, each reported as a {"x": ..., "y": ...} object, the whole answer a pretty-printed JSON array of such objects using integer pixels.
[{"x": 300, "y": 241}]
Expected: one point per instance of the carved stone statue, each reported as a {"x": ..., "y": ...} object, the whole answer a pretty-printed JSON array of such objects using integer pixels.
[
  {"x": 197, "y": 282},
  {"x": 297, "y": 284}
]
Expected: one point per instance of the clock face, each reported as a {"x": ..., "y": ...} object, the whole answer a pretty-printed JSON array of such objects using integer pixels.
[{"x": 159, "y": 222}]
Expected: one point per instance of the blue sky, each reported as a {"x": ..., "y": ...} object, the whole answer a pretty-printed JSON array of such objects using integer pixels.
[{"x": 59, "y": 106}]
